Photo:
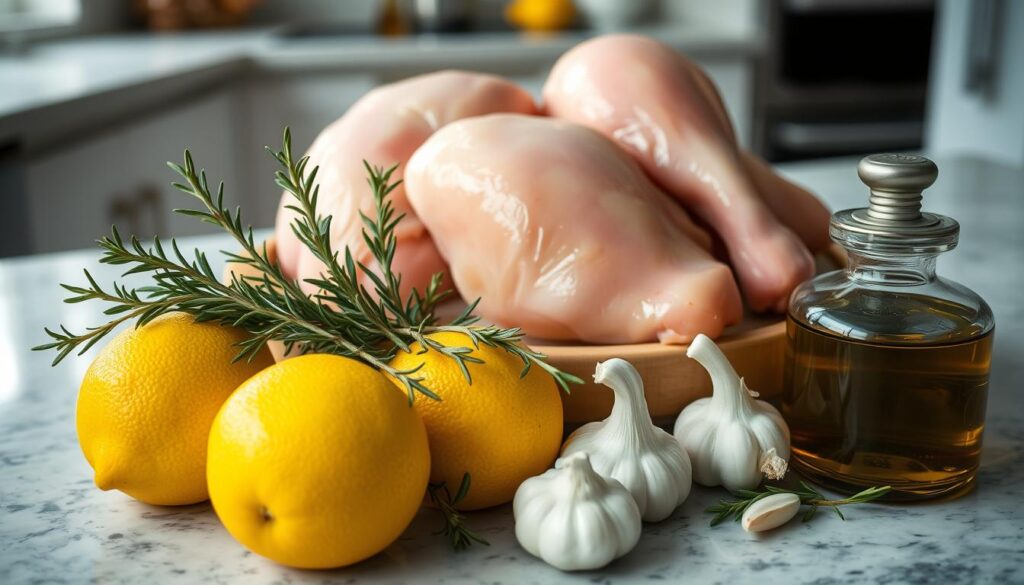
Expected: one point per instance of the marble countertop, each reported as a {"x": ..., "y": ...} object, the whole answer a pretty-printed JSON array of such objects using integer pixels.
[
  {"x": 56, "y": 527},
  {"x": 55, "y": 84}
]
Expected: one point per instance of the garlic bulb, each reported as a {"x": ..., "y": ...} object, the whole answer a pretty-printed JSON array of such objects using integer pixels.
[
  {"x": 573, "y": 518},
  {"x": 731, "y": 438},
  {"x": 627, "y": 447},
  {"x": 770, "y": 512}
]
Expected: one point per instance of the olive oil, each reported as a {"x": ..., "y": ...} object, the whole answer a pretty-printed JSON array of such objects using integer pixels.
[
  {"x": 906, "y": 415},
  {"x": 887, "y": 362}
]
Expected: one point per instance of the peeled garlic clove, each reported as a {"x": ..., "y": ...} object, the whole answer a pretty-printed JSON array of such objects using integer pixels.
[{"x": 770, "y": 512}]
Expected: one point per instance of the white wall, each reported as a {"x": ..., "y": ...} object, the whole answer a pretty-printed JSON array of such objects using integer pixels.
[
  {"x": 961, "y": 122},
  {"x": 739, "y": 14},
  {"x": 100, "y": 16},
  {"x": 354, "y": 12}
]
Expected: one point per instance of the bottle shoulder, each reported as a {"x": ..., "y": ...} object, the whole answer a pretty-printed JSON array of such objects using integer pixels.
[{"x": 939, "y": 311}]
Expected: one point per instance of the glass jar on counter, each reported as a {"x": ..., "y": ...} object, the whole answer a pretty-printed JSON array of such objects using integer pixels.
[{"x": 887, "y": 362}]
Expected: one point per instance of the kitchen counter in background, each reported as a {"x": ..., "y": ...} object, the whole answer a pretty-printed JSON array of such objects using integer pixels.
[{"x": 56, "y": 527}]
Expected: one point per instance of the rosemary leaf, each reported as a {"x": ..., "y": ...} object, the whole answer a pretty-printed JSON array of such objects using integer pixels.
[{"x": 459, "y": 535}]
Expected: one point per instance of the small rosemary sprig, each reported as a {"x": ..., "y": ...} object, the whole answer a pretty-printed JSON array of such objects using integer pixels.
[
  {"x": 454, "y": 528},
  {"x": 343, "y": 318},
  {"x": 809, "y": 496}
]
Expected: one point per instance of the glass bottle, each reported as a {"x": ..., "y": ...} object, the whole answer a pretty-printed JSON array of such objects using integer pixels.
[{"x": 887, "y": 363}]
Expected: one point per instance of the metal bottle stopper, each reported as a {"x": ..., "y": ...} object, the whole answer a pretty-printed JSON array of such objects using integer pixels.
[{"x": 893, "y": 220}]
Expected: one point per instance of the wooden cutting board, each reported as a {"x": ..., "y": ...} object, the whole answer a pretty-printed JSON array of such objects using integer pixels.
[
  {"x": 672, "y": 380},
  {"x": 756, "y": 348}
]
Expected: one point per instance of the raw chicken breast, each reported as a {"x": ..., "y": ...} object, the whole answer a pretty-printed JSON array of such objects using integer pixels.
[
  {"x": 561, "y": 233},
  {"x": 665, "y": 111},
  {"x": 384, "y": 128}
]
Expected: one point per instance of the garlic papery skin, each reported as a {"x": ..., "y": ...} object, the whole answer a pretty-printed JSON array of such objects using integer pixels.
[
  {"x": 627, "y": 447},
  {"x": 731, "y": 438},
  {"x": 573, "y": 518},
  {"x": 770, "y": 512}
]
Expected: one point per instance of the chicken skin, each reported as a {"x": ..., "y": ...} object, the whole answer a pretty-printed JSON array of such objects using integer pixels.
[{"x": 561, "y": 233}]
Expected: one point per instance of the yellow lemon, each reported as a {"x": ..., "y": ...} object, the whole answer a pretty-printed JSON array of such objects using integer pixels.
[
  {"x": 317, "y": 462},
  {"x": 147, "y": 402},
  {"x": 501, "y": 430},
  {"x": 540, "y": 15}
]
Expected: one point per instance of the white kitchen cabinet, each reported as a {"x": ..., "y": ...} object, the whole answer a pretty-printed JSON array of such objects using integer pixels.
[{"x": 119, "y": 176}]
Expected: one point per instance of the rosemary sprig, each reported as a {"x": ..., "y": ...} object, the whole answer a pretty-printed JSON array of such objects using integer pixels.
[
  {"x": 343, "y": 318},
  {"x": 809, "y": 496},
  {"x": 269, "y": 308},
  {"x": 454, "y": 527}
]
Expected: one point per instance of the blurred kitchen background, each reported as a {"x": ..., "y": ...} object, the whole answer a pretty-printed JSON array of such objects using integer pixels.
[{"x": 96, "y": 94}]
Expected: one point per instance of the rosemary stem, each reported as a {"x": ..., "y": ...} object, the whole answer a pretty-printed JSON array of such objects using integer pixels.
[{"x": 248, "y": 305}]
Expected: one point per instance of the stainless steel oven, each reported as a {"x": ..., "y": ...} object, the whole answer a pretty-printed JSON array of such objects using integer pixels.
[{"x": 843, "y": 77}]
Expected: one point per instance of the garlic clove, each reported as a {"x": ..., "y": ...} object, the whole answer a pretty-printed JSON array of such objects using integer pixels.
[
  {"x": 770, "y": 512},
  {"x": 737, "y": 453}
]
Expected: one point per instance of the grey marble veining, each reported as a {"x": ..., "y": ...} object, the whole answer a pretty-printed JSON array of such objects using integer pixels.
[{"x": 56, "y": 527}]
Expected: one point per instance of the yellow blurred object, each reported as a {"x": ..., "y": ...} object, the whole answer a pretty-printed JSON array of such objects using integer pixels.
[
  {"x": 147, "y": 402},
  {"x": 502, "y": 429},
  {"x": 540, "y": 15},
  {"x": 317, "y": 462}
]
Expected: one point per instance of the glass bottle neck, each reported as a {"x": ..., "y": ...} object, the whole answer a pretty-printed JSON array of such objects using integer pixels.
[{"x": 891, "y": 270}]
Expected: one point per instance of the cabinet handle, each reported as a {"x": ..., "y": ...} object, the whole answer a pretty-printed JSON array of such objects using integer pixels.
[
  {"x": 983, "y": 37},
  {"x": 129, "y": 210},
  {"x": 125, "y": 210},
  {"x": 153, "y": 198}
]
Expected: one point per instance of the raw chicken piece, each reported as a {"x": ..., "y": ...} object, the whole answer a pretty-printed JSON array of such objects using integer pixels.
[
  {"x": 561, "y": 233},
  {"x": 665, "y": 111},
  {"x": 384, "y": 128}
]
